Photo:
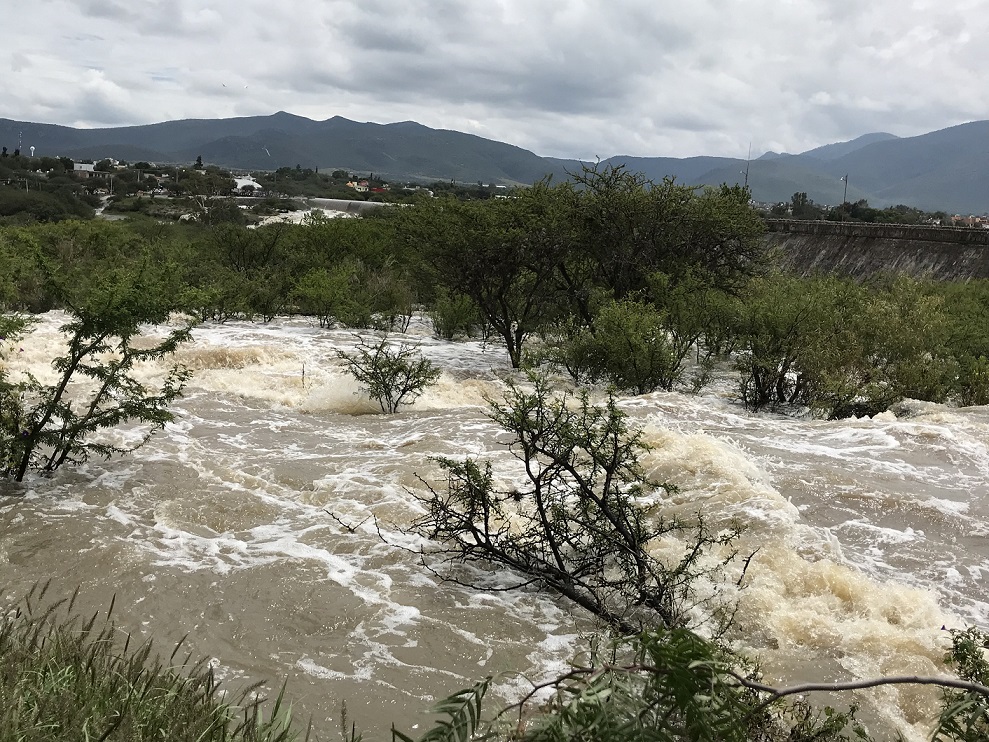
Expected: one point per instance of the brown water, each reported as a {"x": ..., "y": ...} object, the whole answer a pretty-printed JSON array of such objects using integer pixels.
[{"x": 869, "y": 534}]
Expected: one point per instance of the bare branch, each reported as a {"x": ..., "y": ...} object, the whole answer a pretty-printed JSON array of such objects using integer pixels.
[
  {"x": 778, "y": 693},
  {"x": 346, "y": 526}
]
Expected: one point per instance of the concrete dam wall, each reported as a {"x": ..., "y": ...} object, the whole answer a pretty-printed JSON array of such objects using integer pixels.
[
  {"x": 863, "y": 250},
  {"x": 339, "y": 204}
]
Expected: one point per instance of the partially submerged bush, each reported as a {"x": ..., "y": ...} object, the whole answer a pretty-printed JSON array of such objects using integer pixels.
[
  {"x": 43, "y": 426},
  {"x": 581, "y": 519},
  {"x": 630, "y": 347},
  {"x": 390, "y": 375},
  {"x": 452, "y": 314},
  {"x": 840, "y": 348}
]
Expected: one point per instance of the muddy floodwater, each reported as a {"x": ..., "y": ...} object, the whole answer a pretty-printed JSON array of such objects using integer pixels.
[{"x": 265, "y": 525}]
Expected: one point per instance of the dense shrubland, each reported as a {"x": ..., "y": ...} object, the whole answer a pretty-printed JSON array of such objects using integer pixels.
[{"x": 613, "y": 280}]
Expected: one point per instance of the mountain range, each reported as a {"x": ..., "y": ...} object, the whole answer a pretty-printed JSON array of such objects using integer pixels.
[{"x": 942, "y": 170}]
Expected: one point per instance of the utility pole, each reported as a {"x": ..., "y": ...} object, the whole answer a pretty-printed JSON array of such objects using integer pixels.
[
  {"x": 747, "y": 161},
  {"x": 844, "y": 198}
]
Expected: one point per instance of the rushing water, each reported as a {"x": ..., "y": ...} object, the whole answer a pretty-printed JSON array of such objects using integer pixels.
[{"x": 249, "y": 525}]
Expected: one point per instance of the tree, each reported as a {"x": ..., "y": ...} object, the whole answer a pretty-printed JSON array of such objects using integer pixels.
[
  {"x": 325, "y": 294},
  {"x": 46, "y": 426},
  {"x": 207, "y": 189},
  {"x": 802, "y": 207},
  {"x": 630, "y": 228},
  {"x": 503, "y": 255},
  {"x": 392, "y": 376},
  {"x": 582, "y": 522},
  {"x": 718, "y": 240},
  {"x": 245, "y": 250}
]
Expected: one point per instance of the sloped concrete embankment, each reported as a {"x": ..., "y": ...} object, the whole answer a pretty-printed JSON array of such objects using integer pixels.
[
  {"x": 864, "y": 250},
  {"x": 338, "y": 204}
]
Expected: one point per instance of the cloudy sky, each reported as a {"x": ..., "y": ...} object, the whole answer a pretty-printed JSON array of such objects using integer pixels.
[{"x": 563, "y": 78}]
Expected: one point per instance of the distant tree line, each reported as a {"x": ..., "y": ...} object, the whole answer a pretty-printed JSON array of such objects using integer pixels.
[
  {"x": 801, "y": 207},
  {"x": 41, "y": 189}
]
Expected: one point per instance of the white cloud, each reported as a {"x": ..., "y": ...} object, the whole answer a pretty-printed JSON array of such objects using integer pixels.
[{"x": 582, "y": 78}]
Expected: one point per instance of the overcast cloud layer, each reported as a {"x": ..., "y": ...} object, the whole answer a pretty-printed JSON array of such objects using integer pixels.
[{"x": 563, "y": 78}]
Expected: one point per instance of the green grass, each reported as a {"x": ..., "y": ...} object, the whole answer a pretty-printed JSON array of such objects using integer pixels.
[{"x": 66, "y": 677}]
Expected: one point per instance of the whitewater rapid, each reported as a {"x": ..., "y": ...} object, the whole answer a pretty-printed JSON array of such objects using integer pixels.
[{"x": 266, "y": 524}]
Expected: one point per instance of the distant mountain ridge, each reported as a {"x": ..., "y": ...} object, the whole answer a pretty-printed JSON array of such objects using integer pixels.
[
  {"x": 946, "y": 169},
  {"x": 840, "y": 149}
]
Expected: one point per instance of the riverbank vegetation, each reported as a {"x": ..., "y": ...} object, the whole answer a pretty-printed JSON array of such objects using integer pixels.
[
  {"x": 640, "y": 286},
  {"x": 72, "y": 678},
  {"x": 44, "y": 425},
  {"x": 633, "y": 286},
  {"x": 643, "y": 286}
]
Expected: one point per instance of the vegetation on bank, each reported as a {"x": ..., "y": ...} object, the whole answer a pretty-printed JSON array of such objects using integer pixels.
[
  {"x": 801, "y": 207},
  {"x": 67, "y": 677},
  {"x": 642, "y": 286},
  {"x": 634, "y": 285}
]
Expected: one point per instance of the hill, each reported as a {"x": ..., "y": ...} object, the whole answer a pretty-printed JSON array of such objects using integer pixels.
[
  {"x": 840, "y": 149},
  {"x": 946, "y": 169}
]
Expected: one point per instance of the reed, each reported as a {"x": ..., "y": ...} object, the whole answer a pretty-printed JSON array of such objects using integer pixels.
[{"x": 67, "y": 677}]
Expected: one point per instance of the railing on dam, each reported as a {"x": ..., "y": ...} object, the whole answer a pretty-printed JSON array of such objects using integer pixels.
[{"x": 911, "y": 232}]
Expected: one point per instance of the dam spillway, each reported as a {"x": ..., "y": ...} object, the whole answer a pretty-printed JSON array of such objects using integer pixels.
[{"x": 862, "y": 250}]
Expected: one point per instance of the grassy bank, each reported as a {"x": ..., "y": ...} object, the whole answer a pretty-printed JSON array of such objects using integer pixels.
[{"x": 67, "y": 677}]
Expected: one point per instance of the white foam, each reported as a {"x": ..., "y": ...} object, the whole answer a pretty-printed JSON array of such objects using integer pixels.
[{"x": 843, "y": 516}]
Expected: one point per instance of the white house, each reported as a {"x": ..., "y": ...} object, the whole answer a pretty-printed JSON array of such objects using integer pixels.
[{"x": 249, "y": 181}]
